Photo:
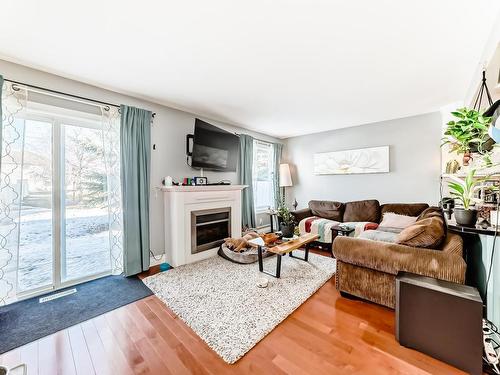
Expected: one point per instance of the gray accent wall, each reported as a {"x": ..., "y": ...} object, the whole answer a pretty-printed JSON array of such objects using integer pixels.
[
  {"x": 414, "y": 146},
  {"x": 168, "y": 135}
]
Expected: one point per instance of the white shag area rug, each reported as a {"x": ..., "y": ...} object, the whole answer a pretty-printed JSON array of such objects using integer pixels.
[{"x": 222, "y": 303}]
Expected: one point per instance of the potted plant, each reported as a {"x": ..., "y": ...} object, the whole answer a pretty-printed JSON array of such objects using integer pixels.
[
  {"x": 469, "y": 133},
  {"x": 286, "y": 220},
  {"x": 464, "y": 190}
]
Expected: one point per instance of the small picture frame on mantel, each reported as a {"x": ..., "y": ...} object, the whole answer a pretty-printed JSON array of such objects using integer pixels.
[{"x": 200, "y": 181}]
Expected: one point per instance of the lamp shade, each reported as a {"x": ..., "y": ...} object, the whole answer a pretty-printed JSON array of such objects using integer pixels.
[{"x": 285, "y": 176}]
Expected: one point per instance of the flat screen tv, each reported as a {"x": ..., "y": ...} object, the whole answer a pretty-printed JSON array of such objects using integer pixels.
[{"x": 214, "y": 148}]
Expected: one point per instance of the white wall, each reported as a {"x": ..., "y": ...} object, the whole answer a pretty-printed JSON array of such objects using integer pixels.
[
  {"x": 493, "y": 74},
  {"x": 414, "y": 162},
  {"x": 168, "y": 134},
  {"x": 491, "y": 60}
]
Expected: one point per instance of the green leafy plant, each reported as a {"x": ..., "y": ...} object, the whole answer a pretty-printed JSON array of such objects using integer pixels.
[
  {"x": 285, "y": 216},
  {"x": 468, "y": 133},
  {"x": 487, "y": 162},
  {"x": 464, "y": 190}
]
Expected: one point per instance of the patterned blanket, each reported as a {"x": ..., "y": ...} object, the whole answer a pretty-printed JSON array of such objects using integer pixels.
[{"x": 323, "y": 227}]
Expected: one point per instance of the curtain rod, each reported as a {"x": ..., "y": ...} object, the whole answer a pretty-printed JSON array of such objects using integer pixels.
[{"x": 66, "y": 94}]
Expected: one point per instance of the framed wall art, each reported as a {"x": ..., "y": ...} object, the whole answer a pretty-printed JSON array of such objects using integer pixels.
[{"x": 362, "y": 160}]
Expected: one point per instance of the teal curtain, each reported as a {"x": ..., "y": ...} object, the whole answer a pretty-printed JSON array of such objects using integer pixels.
[
  {"x": 278, "y": 150},
  {"x": 135, "y": 145},
  {"x": 245, "y": 178}
]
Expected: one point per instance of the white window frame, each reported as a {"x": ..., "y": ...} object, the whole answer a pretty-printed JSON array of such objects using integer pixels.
[
  {"x": 272, "y": 203},
  {"x": 58, "y": 118}
]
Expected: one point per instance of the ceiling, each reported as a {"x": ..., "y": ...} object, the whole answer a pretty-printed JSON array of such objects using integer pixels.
[{"x": 281, "y": 67}]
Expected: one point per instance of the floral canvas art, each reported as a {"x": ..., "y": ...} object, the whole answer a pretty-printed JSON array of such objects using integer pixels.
[{"x": 363, "y": 160}]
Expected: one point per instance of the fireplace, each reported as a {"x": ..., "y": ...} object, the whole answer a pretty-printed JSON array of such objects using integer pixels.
[
  {"x": 209, "y": 228},
  {"x": 198, "y": 218}
]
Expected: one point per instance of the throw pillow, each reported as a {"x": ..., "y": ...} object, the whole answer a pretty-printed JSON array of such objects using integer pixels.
[
  {"x": 366, "y": 210},
  {"x": 327, "y": 209},
  {"x": 426, "y": 233},
  {"x": 430, "y": 212},
  {"x": 392, "y": 220}
]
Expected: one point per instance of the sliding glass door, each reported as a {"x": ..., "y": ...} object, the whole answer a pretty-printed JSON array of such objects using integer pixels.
[
  {"x": 64, "y": 231},
  {"x": 85, "y": 226},
  {"x": 56, "y": 201}
]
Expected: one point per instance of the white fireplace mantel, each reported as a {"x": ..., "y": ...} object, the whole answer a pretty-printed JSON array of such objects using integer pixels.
[
  {"x": 180, "y": 202},
  {"x": 203, "y": 188}
]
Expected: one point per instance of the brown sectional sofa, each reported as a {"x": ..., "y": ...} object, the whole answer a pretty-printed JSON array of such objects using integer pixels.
[
  {"x": 368, "y": 268},
  {"x": 365, "y": 210}
]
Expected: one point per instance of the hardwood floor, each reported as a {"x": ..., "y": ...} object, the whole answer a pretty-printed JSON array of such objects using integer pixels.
[{"x": 328, "y": 334}]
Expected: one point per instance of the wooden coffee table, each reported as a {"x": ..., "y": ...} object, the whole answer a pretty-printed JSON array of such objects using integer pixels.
[{"x": 283, "y": 249}]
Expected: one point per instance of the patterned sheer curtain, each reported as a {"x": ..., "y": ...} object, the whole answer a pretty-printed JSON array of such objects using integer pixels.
[
  {"x": 111, "y": 146},
  {"x": 27, "y": 227},
  {"x": 11, "y": 174}
]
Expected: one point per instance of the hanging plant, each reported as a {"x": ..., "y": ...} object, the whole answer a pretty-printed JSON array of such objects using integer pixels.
[{"x": 469, "y": 133}]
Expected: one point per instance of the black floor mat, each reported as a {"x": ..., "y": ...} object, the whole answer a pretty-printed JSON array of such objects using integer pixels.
[{"x": 26, "y": 321}]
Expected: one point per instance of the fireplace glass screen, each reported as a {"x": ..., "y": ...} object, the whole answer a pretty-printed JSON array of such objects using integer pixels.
[{"x": 209, "y": 228}]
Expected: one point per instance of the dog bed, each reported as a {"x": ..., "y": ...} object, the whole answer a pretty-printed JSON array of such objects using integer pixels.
[{"x": 245, "y": 257}]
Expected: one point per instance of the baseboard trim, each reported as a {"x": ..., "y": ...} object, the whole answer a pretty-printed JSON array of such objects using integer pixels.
[{"x": 158, "y": 259}]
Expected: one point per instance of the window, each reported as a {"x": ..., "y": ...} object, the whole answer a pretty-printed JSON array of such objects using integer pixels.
[{"x": 263, "y": 175}]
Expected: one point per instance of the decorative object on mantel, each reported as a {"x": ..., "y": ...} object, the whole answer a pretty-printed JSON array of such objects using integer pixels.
[
  {"x": 168, "y": 181},
  {"x": 200, "y": 181},
  {"x": 363, "y": 160}
]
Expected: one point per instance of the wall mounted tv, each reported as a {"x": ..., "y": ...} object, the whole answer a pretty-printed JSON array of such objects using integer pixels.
[{"x": 213, "y": 148}]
